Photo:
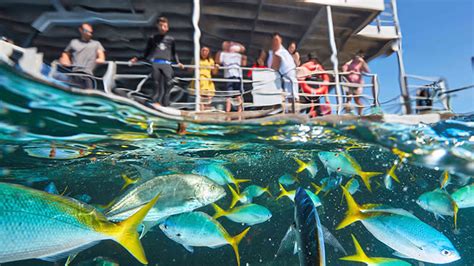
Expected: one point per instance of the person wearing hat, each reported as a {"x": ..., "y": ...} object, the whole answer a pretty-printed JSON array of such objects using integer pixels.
[{"x": 310, "y": 70}]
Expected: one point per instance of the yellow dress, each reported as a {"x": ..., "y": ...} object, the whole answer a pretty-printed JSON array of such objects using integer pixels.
[{"x": 206, "y": 87}]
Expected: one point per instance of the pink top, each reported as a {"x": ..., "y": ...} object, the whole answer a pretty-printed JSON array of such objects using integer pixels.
[{"x": 357, "y": 66}]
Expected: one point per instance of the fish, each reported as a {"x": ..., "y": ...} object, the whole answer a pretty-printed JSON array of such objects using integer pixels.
[
  {"x": 84, "y": 198},
  {"x": 219, "y": 174},
  {"x": 445, "y": 179},
  {"x": 309, "y": 233},
  {"x": 440, "y": 203},
  {"x": 464, "y": 196},
  {"x": 39, "y": 225},
  {"x": 342, "y": 163},
  {"x": 197, "y": 229},
  {"x": 288, "y": 244},
  {"x": 352, "y": 186},
  {"x": 310, "y": 166},
  {"x": 291, "y": 195},
  {"x": 328, "y": 184},
  {"x": 128, "y": 181},
  {"x": 194, "y": 192},
  {"x": 247, "y": 195},
  {"x": 401, "y": 231},
  {"x": 288, "y": 179},
  {"x": 250, "y": 214},
  {"x": 360, "y": 256}
]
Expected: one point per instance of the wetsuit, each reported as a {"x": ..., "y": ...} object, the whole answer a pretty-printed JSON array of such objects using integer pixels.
[{"x": 160, "y": 50}]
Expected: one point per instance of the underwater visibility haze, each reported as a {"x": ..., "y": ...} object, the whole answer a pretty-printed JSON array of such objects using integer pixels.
[{"x": 386, "y": 194}]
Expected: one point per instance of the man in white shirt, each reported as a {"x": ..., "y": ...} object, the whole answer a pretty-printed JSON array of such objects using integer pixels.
[
  {"x": 283, "y": 62},
  {"x": 232, "y": 59}
]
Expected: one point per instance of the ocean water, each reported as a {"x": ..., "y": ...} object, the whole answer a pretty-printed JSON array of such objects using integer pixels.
[{"x": 84, "y": 144}]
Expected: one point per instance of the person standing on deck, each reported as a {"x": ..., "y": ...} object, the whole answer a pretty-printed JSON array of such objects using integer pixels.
[
  {"x": 83, "y": 55},
  {"x": 159, "y": 51},
  {"x": 283, "y": 62},
  {"x": 294, "y": 53},
  {"x": 232, "y": 58},
  {"x": 355, "y": 66},
  {"x": 208, "y": 68}
]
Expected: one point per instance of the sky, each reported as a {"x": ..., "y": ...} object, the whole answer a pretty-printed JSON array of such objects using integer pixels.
[{"x": 438, "y": 40}]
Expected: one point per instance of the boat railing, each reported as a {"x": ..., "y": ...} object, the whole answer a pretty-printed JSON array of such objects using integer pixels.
[
  {"x": 423, "y": 89},
  {"x": 385, "y": 18}
]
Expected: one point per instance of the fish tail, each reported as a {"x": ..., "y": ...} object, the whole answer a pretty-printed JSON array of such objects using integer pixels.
[
  {"x": 219, "y": 211},
  {"x": 366, "y": 178},
  {"x": 392, "y": 173},
  {"x": 267, "y": 190},
  {"x": 128, "y": 181},
  {"x": 235, "y": 197},
  {"x": 302, "y": 165},
  {"x": 445, "y": 180},
  {"x": 282, "y": 193},
  {"x": 353, "y": 213},
  {"x": 234, "y": 242},
  {"x": 317, "y": 188},
  {"x": 126, "y": 233},
  {"x": 239, "y": 181},
  {"x": 360, "y": 255}
]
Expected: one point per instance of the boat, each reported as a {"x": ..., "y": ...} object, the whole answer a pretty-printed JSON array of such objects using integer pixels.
[{"x": 336, "y": 29}]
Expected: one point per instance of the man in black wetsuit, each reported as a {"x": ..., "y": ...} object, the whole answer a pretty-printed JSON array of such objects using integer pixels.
[{"x": 159, "y": 51}]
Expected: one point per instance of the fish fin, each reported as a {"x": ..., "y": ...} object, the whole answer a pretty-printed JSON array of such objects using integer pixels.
[
  {"x": 437, "y": 215},
  {"x": 455, "y": 213},
  {"x": 360, "y": 255},
  {"x": 400, "y": 255},
  {"x": 235, "y": 197},
  {"x": 295, "y": 248},
  {"x": 64, "y": 191},
  {"x": 267, "y": 190},
  {"x": 302, "y": 165},
  {"x": 353, "y": 213},
  {"x": 128, "y": 181},
  {"x": 70, "y": 258},
  {"x": 365, "y": 176},
  {"x": 317, "y": 188},
  {"x": 189, "y": 248},
  {"x": 219, "y": 211},
  {"x": 70, "y": 253},
  {"x": 282, "y": 193},
  {"x": 126, "y": 233},
  {"x": 147, "y": 227},
  {"x": 239, "y": 181},
  {"x": 234, "y": 242}
]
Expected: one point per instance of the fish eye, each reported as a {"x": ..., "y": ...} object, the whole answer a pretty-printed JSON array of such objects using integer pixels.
[
  {"x": 165, "y": 226},
  {"x": 337, "y": 154},
  {"x": 178, "y": 235},
  {"x": 446, "y": 252},
  {"x": 339, "y": 169}
]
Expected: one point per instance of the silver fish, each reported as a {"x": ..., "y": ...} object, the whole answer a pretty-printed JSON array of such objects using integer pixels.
[{"x": 178, "y": 193}]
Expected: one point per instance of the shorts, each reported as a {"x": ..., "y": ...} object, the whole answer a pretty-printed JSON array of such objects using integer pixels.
[
  {"x": 235, "y": 86},
  {"x": 352, "y": 90}
]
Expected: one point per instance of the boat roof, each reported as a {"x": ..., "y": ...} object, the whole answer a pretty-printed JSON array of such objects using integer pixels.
[{"x": 122, "y": 26}]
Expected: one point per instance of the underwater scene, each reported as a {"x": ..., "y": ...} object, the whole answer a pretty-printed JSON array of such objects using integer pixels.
[{"x": 223, "y": 194}]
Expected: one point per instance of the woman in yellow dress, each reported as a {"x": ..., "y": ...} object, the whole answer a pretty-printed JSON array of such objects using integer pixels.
[{"x": 206, "y": 87}]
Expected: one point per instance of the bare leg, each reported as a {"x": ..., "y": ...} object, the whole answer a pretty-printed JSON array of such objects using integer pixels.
[
  {"x": 228, "y": 105},
  {"x": 359, "y": 105}
]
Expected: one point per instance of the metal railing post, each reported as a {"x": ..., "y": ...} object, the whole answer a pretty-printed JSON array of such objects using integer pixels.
[
  {"x": 241, "y": 88},
  {"x": 334, "y": 59},
  {"x": 197, "y": 52},
  {"x": 401, "y": 66}
]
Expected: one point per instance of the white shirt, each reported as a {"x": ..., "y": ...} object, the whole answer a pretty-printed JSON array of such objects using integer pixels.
[
  {"x": 231, "y": 60},
  {"x": 287, "y": 63}
]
